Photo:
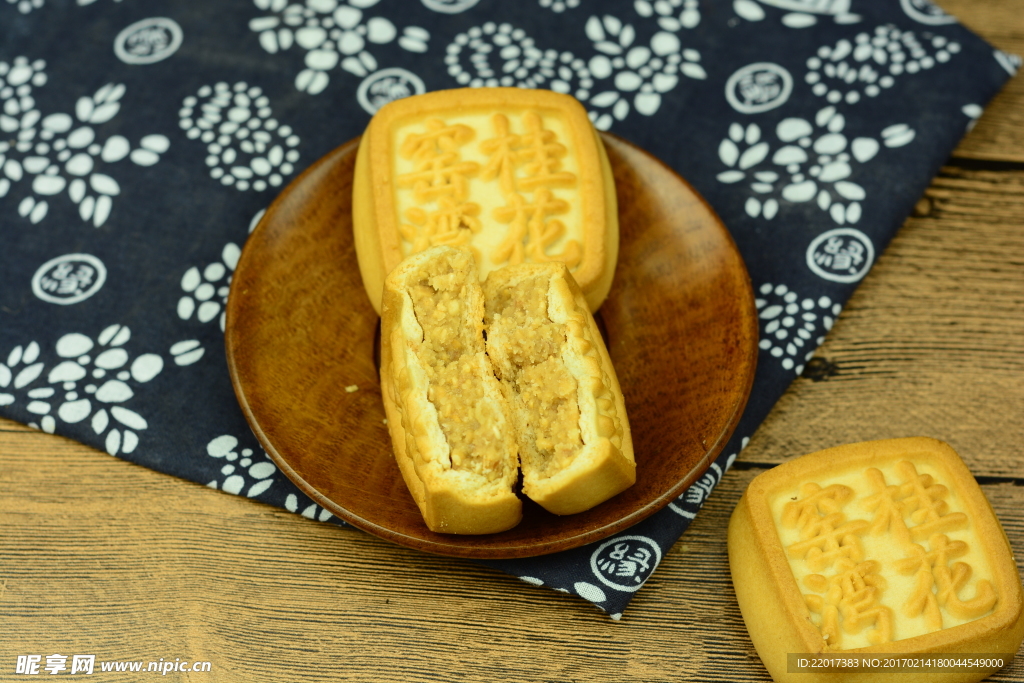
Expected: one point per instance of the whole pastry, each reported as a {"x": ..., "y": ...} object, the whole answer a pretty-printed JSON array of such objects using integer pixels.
[
  {"x": 513, "y": 175},
  {"x": 885, "y": 549}
]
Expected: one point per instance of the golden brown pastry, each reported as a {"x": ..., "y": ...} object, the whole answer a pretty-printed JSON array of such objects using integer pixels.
[
  {"x": 575, "y": 447},
  {"x": 513, "y": 175},
  {"x": 883, "y": 547},
  {"x": 457, "y": 429},
  {"x": 449, "y": 422}
]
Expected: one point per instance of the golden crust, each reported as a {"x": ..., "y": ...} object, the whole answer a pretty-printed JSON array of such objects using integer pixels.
[
  {"x": 452, "y": 499},
  {"x": 898, "y": 517},
  {"x": 396, "y": 212},
  {"x": 602, "y": 465}
]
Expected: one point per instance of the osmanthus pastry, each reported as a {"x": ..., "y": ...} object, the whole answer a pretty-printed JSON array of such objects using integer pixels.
[
  {"x": 464, "y": 413},
  {"x": 575, "y": 447},
  {"x": 514, "y": 175},
  {"x": 450, "y": 425},
  {"x": 883, "y": 547}
]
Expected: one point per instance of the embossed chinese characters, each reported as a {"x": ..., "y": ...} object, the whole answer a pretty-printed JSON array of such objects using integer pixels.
[
  {"x": 534, "y": 191},
  {"x": 522, "y": 182},
  {"x": 885, "y": 546},
  {"x": 883, "y": 556},
  {"x": 512, "y": 175}
]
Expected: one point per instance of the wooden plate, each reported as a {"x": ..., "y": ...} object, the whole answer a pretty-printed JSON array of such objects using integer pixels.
[{"x": 301, "y": 336}]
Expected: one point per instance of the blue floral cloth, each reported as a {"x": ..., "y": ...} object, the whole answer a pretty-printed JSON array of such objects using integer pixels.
[{"x": 140, "y": 141}]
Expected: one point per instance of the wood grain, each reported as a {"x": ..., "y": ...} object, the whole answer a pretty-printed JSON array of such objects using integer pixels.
[
  {"x": 101, "y": 556},
  {"x": 999, "y": 133}
]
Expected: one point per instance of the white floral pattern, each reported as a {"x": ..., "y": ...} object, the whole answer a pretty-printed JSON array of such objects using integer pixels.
[
  {"x": 247, "y": 148},
  {"x": 872, "y": 62},
  {"x": 793, "y": 327},
  {"x": 243, "y": 472},
  {"x": 559, "y": 6},
  {"x": 973, "y": 112},
  {"x": 187, "y": 352},
  {"x": 334, "y": 34},
  {"x": 695, "y": 496},
  {"x": 204, "y": 297},
  {"x": 20, "y": 370},
  {"x": 291, "y": 503},
  {"x": 447, "y": 6},
  {"x": 1008, "y": 61},
  {"x": 55, "y": 153},
  {"x": 926, "y": 12},
  {"x": 249, "y": 472},
  {"x": 665, "y": 12},
  {"x": 206, "y": 290},
  {"x": 26, "y": 6},
  {"x": 814, "y": 162},
  {"x": 94, "y": 380},
  {"x": 620, "y": 77},
  {"x": 798, "y": 13}
]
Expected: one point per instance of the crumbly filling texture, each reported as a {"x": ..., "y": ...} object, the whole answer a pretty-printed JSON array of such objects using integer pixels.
[
  {"x": 452, "y": 357},
  {"x": 541, "y": 384}
]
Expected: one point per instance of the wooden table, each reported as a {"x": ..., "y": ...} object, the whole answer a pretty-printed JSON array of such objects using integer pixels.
[{"x": 101, "y": 556}]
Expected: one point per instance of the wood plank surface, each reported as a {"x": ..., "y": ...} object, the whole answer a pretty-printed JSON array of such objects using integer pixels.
[
  {"x": 99, "y": 556},
  {"x": 176, "y": 570},
  {"x": 999, "y": 133}
]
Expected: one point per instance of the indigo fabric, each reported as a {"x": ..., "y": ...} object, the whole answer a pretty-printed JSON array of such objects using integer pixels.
[{"x": 140, "y": 142}]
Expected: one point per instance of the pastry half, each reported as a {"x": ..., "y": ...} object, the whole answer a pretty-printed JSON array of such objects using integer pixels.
[
  {"x": 450, "y": 427},
  {"x": 575, "y": 447}
]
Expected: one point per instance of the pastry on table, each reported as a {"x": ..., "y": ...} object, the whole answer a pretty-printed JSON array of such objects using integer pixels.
[{"x": 882, "y": 547}]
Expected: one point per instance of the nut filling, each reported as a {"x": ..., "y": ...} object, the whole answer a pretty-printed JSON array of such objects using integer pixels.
[
  {"x": 536, "y": 379},
  {"x": 451, "y": 355}
]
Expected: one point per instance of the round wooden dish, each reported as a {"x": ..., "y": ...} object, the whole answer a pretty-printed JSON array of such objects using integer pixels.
[{"x": 681, "y": 329}]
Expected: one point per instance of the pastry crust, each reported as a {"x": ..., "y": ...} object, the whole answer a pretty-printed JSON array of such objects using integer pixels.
[
  {"x": 514, "y": 175},
  {"x": 885, "y": 547},
  {"x": 447, "y": 416},
  {"x": 575, "y": 446}
]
